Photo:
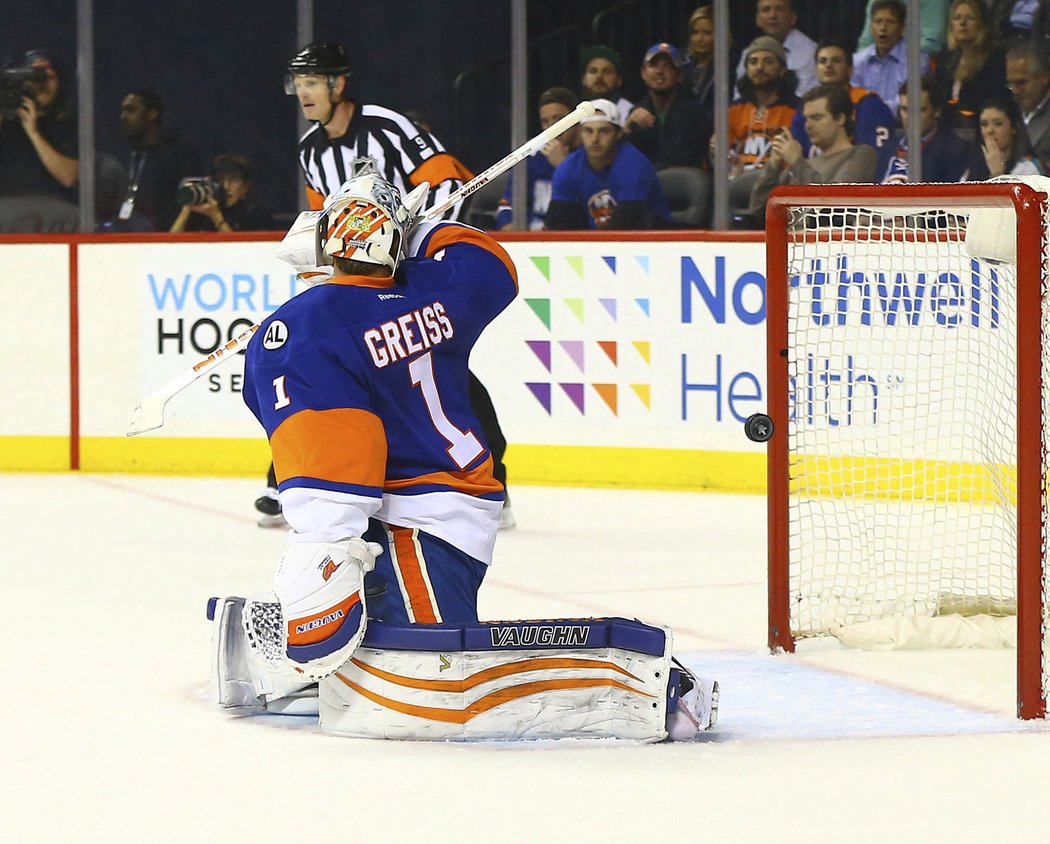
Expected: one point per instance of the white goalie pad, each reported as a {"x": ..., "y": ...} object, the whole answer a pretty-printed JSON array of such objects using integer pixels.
[
  {"x": 991, "y": 233},
  {"x": 571, "y": 678},
  {"x": 248, "y": 671},
  {"x": 299, "y": 249}
]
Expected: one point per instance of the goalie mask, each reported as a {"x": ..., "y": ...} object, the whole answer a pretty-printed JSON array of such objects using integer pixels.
[{"x": 366, "y": 220}]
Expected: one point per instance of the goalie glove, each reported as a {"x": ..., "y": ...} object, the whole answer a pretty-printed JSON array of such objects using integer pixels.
[
  {"x": 299, "y": 249},
  {"x": 321, "y": 589}
]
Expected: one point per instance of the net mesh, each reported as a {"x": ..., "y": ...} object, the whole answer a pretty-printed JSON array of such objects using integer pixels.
[{"x": 902, "y": 420}]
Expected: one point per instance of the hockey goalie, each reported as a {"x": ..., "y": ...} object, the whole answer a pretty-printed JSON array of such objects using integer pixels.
[{"x": 360, "y": 382}]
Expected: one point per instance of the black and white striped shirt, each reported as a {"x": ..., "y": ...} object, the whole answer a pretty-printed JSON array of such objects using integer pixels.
[{"x": 404, "y": 153}]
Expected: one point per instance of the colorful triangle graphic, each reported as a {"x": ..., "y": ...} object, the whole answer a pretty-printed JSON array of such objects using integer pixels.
[
  {"x": 642, "y": 391},
  {"x": 574, "y": 349},
  {"x": 542, "y": 392},
  {"x": 643, "y": 262},
  {"x": 542, "y": 309},
  {"x": 643, "y": 349},
  {"x": 575, "y": 394},
  {"x": 576, "y": 262},
  {"x": 610, "y": 262},
  {"x": 542, "y": 350},
  {"x": 576, "y": 306},
  {"x": 543, "y": 264},
  {"x": 609, "y": 347},
  {"x": 644, "y": 305},
  {"x": 610, "y": 307},
  {"x": 608, "y": 394}
]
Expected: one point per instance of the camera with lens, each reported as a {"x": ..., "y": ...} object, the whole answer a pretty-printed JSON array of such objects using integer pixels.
[
  {"x": 18, "y": 82},
  {"x": 197, "y": 190}
]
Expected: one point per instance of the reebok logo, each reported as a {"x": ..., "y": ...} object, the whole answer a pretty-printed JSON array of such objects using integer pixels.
[
  {"x": 329, "y": 568},
  {"x": 391, "y": 296}
]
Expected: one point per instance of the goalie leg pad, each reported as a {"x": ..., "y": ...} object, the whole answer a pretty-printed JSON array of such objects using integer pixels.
[
  {"x": 248, "y": 671},
  {"x": 320, "y": 587},
  {"x": 568, "y": 678}
]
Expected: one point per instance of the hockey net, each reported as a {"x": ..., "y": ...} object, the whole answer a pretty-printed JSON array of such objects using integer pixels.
[{"x": 908, "y": 389}]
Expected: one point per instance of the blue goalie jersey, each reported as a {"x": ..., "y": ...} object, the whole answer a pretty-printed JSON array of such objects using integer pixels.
[{"x": 361, "y": 385}]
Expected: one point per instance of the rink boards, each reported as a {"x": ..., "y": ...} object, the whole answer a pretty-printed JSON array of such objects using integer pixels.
[{"x": 622, "y": 362}]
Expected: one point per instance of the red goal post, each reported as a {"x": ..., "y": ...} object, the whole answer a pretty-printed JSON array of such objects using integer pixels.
[{"x": 908, "y": 386}]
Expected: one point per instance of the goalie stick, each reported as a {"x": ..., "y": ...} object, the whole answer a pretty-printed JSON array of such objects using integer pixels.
[{"x": 148, "y": 414}]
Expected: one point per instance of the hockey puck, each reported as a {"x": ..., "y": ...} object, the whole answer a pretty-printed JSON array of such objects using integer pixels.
[{"x": 758, "y": 427}]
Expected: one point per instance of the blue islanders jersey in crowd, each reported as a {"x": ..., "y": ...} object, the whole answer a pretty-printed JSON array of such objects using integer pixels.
[
  {"x": 630, "y": 178},
  {"x": 361, "y": 385}
]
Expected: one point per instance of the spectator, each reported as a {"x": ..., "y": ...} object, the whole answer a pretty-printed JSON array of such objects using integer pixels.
[
  {"x": 158, "y": 162},
  {"x": 828, "y": 112},
  {"x": 602, "y": 77},
  {"x": 972, "y": 69},
  {"x": 767, "y": 104},
  {"x": 776, "y": 19},
  {"x": 606, "y": 184},
  {"x": 944, "y": 153},
  {"x": 669, "y": 126},
  {"x": 873, "y": 121},
  {"x": 933, "y": 26},
  {"x": 554, "y": 104},
  {"x": 1021, "y": 18},
  {"x": 1028, "y": 78},
  {"x": 39, "y": 167},
  {"x": 883, "y": 66},
  {"x": 698, "y": 71},
  {"x": 229, "y": 209},
  {"x": 1004, "y": 147}
]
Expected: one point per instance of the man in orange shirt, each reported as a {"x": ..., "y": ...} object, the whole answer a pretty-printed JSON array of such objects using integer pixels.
[{"x": 766, "y": 105}]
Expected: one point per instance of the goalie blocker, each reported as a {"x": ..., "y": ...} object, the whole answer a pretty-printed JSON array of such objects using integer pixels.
[{"x": 503, "y": 680}]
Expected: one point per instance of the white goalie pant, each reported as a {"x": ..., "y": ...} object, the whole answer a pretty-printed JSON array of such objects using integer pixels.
[{"x": 568, "y": 678}]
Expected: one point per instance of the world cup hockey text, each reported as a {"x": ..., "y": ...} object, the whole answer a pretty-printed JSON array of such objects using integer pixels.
[
  {"x": 408, "y": 334},
  {"x": 844, "y": 294}
]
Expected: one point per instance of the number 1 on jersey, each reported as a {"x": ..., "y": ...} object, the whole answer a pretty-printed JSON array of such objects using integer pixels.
[
  {"x": 282, "y": 396},
  {"x": 464, "y": 447}
]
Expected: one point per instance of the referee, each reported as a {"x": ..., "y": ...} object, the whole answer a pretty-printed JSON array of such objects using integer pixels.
[{"x": 405, "y": 155}]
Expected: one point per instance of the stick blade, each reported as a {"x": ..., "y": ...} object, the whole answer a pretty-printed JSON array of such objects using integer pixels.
[{"x": 148, "y": 415}]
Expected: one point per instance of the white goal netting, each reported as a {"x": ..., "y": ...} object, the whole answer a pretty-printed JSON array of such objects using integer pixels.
[{"x": 902, "y": 383}]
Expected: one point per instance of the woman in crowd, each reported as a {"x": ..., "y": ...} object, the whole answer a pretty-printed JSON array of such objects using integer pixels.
[
  {"x": 698, "y": 72},
  {"x": 1004, "y": 147},
  {"x": 972, "y": 69}
]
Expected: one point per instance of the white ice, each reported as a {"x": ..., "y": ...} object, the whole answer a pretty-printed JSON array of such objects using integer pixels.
[{"x": 106, "y": 734}]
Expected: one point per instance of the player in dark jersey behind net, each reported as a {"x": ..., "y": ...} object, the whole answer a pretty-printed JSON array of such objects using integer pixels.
[
  {"x": 405, "y": 155},
  {"x": 361, "y": 385}
]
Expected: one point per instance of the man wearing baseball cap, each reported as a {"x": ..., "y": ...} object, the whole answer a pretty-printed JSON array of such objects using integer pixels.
[
  {"x": 601, "y": 73},
  {"x": 605, "y": 184},
  {"x": 668, "y": 124},
  {"x": 776, "y": 19}
]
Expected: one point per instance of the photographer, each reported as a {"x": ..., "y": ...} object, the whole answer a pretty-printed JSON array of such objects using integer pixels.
[
  {"x": 39, "y": 168},
  {"x": 221, "y": 203}
]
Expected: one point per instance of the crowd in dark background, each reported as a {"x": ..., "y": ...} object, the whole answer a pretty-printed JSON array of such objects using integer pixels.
[{"x": 213, "y": 76}]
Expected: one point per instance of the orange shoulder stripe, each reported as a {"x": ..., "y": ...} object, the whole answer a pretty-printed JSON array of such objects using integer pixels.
[
  {"x": 314, "y": 198},
  {"x": 451, "y": 235},
  {"x": 345, "y": 445},
  {"x": 440, "y": 168}
]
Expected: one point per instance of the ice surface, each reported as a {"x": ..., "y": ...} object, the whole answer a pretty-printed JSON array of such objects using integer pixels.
[{"x": 106, "y": 735}]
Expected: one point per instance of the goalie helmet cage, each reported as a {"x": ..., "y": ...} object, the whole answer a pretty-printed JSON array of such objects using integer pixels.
[{"x": 907, "y": 383}]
